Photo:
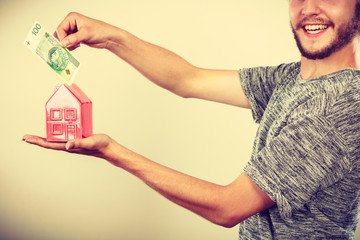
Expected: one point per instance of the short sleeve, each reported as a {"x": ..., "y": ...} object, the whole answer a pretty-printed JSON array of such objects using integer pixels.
[
  {"x": 306, "y": 156},
  {"x": 259, "y": 83}
]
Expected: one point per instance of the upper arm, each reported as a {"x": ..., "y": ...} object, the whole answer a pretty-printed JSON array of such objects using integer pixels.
[{"x": 217, "y": 85}]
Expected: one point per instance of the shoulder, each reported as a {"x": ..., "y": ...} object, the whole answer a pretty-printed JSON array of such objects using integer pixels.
[
  {"x": 345, "y": 87},
  {"x": 332, "y": 92},
  {"x": 335, "y": 99},
  {"x": 277, "y": 71}
]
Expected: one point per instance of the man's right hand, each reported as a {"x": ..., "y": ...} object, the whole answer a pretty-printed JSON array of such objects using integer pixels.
[{"x": 77, "y": 28}]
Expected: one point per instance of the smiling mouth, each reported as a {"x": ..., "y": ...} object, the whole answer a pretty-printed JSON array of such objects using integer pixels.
[{"x": 315, "y": 28}]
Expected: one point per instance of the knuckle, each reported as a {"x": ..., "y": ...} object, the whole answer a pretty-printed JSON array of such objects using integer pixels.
[{"x": 73, "y": 14}]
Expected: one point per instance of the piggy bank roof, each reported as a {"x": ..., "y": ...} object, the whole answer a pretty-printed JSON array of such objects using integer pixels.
[{"x": 77, "y": 92}]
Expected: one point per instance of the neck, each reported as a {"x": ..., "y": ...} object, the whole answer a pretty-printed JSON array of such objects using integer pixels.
[{"x": 342, "y": 59}]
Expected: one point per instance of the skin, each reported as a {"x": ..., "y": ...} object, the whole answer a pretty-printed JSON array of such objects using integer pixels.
[
  {"x": 335, "y": 14},
  {"x": 223, "y": 205}
]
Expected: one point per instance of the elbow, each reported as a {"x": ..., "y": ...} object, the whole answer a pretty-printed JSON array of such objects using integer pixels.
[
  {"x": 185, "y": 85},
  {"x": 228, "y": 223},
  {"x": 183, "y": 94},
  {"x": 180, "y": 91},
  {"x": 227, "y": 220}
]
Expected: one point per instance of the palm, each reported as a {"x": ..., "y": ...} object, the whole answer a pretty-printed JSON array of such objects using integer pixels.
[{"x": 92, "y": 145}]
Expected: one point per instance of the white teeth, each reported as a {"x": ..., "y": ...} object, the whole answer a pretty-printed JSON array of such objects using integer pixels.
[
  {"x": 315, "y": 28},
  {"x": 316, "y": 31}
]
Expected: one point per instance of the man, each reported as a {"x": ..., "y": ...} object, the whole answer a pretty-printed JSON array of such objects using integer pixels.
[{"x": 303, "y": 178}]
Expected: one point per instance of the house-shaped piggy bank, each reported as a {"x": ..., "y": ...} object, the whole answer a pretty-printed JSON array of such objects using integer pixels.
[{"x": 68, "y": 114}]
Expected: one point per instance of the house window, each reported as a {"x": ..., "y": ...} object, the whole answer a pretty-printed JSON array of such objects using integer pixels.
[
  {"x": 70, "y": 114},
  {"x": 56, "y": 114},
  {"x": 56, "y": 128}
]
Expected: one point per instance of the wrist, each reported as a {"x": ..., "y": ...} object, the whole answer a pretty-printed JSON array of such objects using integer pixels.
[
  {"x": 115, "y": 153},
  {"x": 116, "y": 39}
]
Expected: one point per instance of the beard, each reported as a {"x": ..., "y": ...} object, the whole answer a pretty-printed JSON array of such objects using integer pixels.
[{"x": 344, "y": 35}]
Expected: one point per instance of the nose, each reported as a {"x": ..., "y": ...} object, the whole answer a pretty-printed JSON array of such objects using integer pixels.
[{"x": 310, "y": 7}]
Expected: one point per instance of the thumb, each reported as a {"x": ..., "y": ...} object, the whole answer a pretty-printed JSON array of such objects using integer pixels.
[
  {"x": 72, "y": 40},
  {"x": 72, "y": 144},
  {"x": 80, "y": 143}
]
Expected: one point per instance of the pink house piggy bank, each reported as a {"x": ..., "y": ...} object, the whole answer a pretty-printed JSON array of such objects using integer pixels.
[{"x": 68, "y": 114}]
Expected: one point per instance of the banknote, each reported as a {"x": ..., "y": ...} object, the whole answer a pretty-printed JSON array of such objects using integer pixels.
[{"x": 49, "y": 49}]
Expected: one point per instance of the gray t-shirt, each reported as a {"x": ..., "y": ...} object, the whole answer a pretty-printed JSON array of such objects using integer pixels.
[{"x": 306, "y": 154}]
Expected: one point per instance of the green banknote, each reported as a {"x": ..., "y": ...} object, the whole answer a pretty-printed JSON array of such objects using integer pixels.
[{"x": 52, "y": 52}]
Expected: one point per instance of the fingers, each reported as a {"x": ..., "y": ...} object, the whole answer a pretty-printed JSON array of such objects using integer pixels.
[
  {"x": 56, "y": 35},
  {"x": 68, "y": 26},
  {"x": 69, "y": 31},
  {"x": 92, "y": 146},
  {"x": 73, "y": 146},
  {"x": 73, "y": 41},
  {"x": 77, "y": 28},
  {"x": 42, "y": 142}
]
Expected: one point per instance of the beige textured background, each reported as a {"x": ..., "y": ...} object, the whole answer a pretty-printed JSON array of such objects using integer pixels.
[{"x": 47, "y": 195}]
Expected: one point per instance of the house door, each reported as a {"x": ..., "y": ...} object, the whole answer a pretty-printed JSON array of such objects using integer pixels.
[{"x": 70, "y": 131}]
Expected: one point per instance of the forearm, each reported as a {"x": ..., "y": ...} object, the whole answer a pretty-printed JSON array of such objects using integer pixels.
[
  {"x": 159, "y": 65},
  {"x": 201, "y": 197}
]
